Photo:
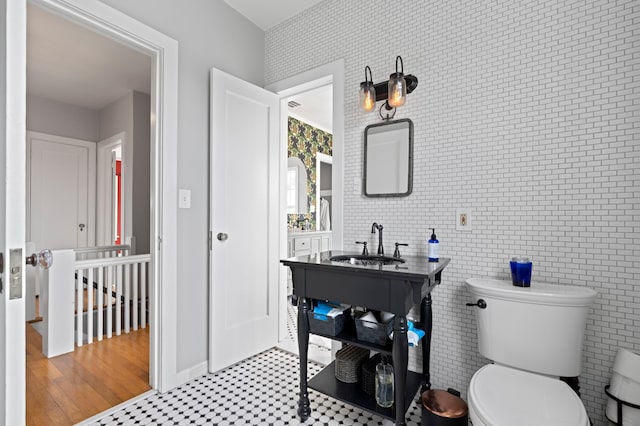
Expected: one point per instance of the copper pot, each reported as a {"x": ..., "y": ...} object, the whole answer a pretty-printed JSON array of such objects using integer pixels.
[{"x": 444, "y": 408}]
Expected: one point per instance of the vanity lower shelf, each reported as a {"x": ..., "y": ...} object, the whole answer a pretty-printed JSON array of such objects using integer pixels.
[
  {"x": 351, "y": 339},
  {"x": 351, "y": 393}
]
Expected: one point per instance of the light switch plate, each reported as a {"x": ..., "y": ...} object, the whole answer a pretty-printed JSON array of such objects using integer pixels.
[
  {"x": 184, "y": 199},
  {"x": 463, "y": 220}
]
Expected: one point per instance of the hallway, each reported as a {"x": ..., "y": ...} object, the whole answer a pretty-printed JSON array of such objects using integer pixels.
[{"x": 72, "y": 387}]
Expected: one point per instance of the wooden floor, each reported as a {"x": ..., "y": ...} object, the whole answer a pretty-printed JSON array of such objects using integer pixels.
[{"x": 69, "y": 388}]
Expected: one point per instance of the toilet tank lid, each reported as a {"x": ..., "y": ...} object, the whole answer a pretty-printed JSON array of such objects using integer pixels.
[{"x": 550, "y": 294}]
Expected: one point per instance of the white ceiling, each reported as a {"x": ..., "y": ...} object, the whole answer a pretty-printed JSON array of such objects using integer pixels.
[
  {"x": 72, "y": 64},
  {"x": 268, "y": 13},
  {"x": 316, "y": 108},
  {"x": 69, "y": 63}
]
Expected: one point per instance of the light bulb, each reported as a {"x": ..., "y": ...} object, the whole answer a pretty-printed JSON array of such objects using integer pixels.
[
  {"x": 397, "y": 92},
  {"x": 367, "y": 96}
]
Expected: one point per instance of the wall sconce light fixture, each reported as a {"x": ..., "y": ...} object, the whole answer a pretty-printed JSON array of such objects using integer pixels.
[
  {"x": 367, "y": 92},
  {"x": 393, "y": 92}
]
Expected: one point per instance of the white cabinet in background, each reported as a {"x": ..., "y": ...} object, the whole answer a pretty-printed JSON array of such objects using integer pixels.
[
  {"x": 325, "y": 242},
  {"x": 301, "y": 243}
]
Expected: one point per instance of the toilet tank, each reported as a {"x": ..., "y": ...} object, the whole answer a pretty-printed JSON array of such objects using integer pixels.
[{"x": 538, "y": 328}]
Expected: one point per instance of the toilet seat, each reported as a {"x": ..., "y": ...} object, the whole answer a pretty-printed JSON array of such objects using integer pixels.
[{"x": 503, "y": 396}]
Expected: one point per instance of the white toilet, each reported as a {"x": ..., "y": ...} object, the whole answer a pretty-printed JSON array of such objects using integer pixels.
[{"x": 533, "y": 335}]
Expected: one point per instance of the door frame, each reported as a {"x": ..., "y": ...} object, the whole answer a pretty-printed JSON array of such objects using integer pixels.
[
  {"x": 163, "y": 50},
  {"x": 331, "y": 73},
  {"x": 104, "y": 219},
  {"x": 320, "y": 159},
  {"x": 12, "y": 206},
  {"x": 91, "y": 180}
]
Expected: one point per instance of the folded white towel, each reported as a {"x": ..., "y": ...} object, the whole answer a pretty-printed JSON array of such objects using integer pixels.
[
  {"x": 386, "y": 316},
  {"x": 369, "y": 320}
]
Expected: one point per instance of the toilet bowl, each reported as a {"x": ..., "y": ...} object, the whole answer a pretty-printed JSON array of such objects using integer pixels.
[
  {"x": 534, "y": 335},
  {"x": 499, "y": 395}
]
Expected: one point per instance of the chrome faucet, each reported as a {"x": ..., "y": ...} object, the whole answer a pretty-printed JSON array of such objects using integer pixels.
[{"x": 373, "y": 231}]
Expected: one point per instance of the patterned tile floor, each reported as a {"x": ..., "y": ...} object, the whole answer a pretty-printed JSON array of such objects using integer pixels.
[{"x": 261, "y": 390}]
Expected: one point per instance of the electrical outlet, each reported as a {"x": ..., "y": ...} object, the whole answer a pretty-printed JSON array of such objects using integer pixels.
[{"x": 463, "y": 220}]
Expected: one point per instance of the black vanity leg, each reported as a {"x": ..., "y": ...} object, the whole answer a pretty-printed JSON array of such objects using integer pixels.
[
  {"x": 400, "y": 360},
  {"x": 426, "y": 318},
  {"x": 304, "y": 408}
]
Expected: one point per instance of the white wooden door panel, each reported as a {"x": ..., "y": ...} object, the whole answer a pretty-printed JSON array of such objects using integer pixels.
[
  {"x": 244, "y": 210},
  {"x": 60, "y": 192}
]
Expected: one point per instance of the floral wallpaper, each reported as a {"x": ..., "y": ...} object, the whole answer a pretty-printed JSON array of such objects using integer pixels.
[{"x": 305, "y": 141}]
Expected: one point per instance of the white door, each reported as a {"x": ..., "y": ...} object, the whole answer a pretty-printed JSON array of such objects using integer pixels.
[
  {"x": 244, "y": 220},
  {"x": 12, "y": 210},
  {"x": 60, "y": 191}
]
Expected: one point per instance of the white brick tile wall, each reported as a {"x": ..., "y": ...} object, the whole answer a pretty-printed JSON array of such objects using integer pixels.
[{"x": 528, "y": 113}]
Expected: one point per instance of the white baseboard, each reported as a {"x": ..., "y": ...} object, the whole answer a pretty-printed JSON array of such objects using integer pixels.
[{"x": 191, "y": 373}]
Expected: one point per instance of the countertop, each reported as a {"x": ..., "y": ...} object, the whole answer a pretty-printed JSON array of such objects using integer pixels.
[
  {"x": 414, "y": 267},
  {"x": 302, "y": 232}
]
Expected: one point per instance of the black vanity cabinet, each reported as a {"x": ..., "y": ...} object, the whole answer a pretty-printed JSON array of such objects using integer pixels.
[{"x": 389, "y": 288}]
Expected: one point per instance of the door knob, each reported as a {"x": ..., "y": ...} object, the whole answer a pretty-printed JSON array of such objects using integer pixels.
[
  {"x": 44, "y": 259},
  {"x": 81, "y": 226},
  {"x": 222, "y": 236}
]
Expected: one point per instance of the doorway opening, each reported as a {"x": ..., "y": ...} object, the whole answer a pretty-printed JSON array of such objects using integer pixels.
[
  {"x": 309, "y": 139},
  {"x": 110, "y": 191},
  {"x": 99, "y": 92},
  {"x": 160, "y": 170},
  {"x": 321, "y": 90}
]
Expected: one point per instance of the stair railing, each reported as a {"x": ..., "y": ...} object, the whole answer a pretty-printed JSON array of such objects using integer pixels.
[
  {"x": 90, "y": 294},
  {"x": 119, "y": 300}
]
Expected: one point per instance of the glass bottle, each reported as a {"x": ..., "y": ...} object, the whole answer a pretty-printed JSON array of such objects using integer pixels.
[{"x": 384, "y": 384}]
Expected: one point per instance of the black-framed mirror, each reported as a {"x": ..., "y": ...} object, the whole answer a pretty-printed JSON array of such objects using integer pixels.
[{"x": 388, "y": 159}]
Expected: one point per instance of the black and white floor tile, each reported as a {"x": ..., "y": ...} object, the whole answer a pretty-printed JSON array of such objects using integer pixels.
[{"x": 261, "y": 390}]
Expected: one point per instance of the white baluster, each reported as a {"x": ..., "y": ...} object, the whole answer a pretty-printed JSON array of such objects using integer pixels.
[
  {"x": 109, "y": 287},
  {"x": 118, "y": 300},
  {"x": 143, "y": 295},
  {"x": 127, "y": 297},
  {"x": 79, "y": 306},
  {"x": 100, "y": 302},
  {"x": 136, "y": 301},
  {"x": 90, "y": 305}
]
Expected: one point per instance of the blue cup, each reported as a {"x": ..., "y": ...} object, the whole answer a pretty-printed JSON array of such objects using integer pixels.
[{"x": 521, "y": 271}]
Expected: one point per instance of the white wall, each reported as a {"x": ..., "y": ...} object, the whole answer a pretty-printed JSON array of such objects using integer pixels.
[
  {"x": 525, "y": 112},
  {"x": 61, "y": 119},
  {"x": 131, "y": 114},
  {"x": 209, "y": 34},
  {"x": 115, "y": 118},
  {"x": 141, "y": 171}
]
